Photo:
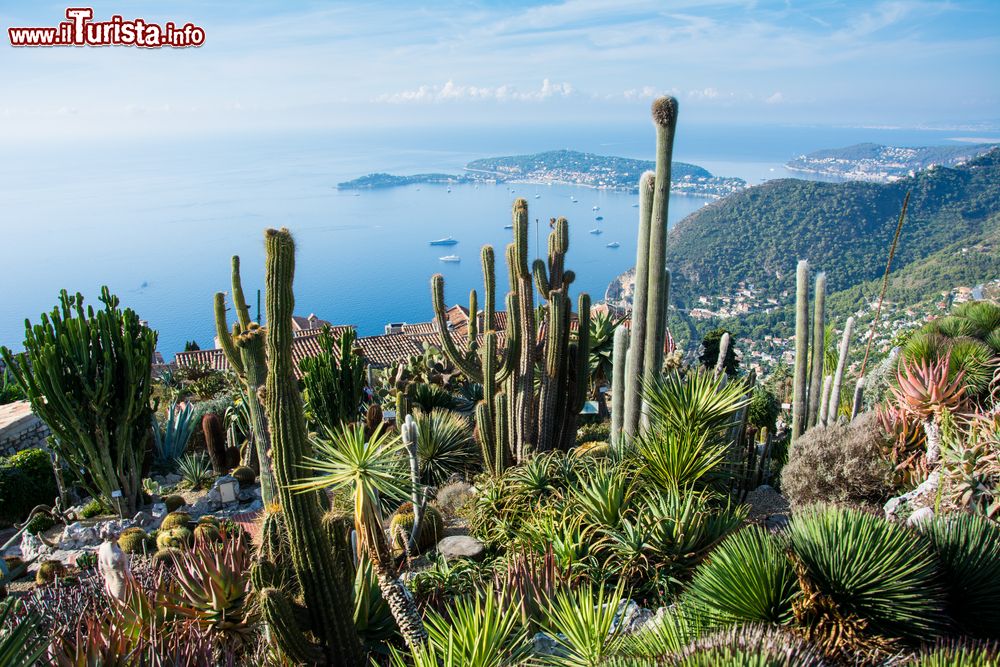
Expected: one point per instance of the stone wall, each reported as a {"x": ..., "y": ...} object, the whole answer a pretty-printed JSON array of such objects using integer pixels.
[{"x": 20, "y": 428}]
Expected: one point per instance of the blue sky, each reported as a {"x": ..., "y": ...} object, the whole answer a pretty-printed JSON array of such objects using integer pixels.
[{"x": 302, "y": 65}]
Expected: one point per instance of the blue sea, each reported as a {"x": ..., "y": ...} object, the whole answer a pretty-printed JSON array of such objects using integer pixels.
[{"x": 158, "y": 220}]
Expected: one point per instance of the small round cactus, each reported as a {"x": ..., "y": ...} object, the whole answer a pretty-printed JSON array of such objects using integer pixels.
[
  {"x": 134, "y": 541},
  {"x": 48, "y": 571},
  {"x": 175, "y": 520},
  {"x": 209, "y": 519},
  {"x": 206, "y": 533},
  {"x": 177, "y": 538},
  {"x": 244, "y": 475},
  {"x": 166, "y": 556},
  {"x": 173, "y": 502},
  {"x": 401, "y": 524}
]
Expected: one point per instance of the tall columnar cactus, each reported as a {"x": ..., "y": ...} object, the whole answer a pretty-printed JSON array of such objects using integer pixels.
[
  {"x": 215, "y": 441},
  {"x": 818, "y": 349},
  {"x": 652, "y": 280},
  {"x": 410, "y": 434},
  {"x": 838, "y": 375},
  {"x": 800, "y": 388},
  {"x": 325, "y": 591},
  {"x": 619, "y": 364},
  {"x": 511, "y": 421},
  {"x": 244, "y": 349},
  {"x": 87, "y": 373}
]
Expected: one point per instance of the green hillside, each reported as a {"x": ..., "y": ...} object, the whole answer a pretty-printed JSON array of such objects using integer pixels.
[{"x": 758, "y": 234}]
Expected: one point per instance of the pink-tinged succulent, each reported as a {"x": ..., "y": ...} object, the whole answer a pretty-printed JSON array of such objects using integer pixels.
[{"x": 924, "y": 391}]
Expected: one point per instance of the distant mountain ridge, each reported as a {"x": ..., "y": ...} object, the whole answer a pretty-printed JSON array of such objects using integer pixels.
[
  {"x": 880, "y": 163},
  {"x": 845, "y": 229}
]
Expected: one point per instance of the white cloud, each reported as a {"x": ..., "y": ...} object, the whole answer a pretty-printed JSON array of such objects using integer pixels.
[{"x": 450, "y": 91}]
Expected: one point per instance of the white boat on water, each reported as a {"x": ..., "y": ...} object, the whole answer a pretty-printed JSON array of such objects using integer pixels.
[
  {"x": 599, "y": 218},
  {"x": 635, "y": 206},
  {"x": 508, "y": 226},
  {"x": 614, "y": 244},
  {"x": 596, "y": 231},
  {"x": 450, "y": 258},
  {"x": 538, "y": 196},
  {"x": 597, "y": 208},
  {"x": 448, "y": 240}
]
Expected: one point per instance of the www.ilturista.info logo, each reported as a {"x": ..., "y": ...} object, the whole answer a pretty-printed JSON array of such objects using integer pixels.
[{"x": 80, "y": 30}]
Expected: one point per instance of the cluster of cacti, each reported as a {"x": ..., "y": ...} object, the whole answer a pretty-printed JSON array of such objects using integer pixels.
[
  {"x": 321, "y": 629},
  {"x": 244, "y": 349},
  {"x": 639, "y": 354},
  {"x": 333, "y": 381},
  {"x": 401, "y": 526},
  {"x": 175, "y": 520},
  {"x": 207, "y": 533},
  {"x": 513, "y": 423},
  {"x": 180, "y": 537},
  {"x": 215, "y": 441},
  {"x": 816, "y": 397},
  {"x": 244, "y": 475},
  {"x": 87, "y": 374}
]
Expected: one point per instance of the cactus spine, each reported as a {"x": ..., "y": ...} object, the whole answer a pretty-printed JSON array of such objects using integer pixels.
[
  {"x": 818, "y": 349},
  {"x": 244, "y": 349},
  {"x": 799, "y": 394},
  {"x": 619, "y": 377},
  {"x": 652, "y": 280},
  {"x": 838, "y": 375},
  {"x": 328, "y": 600}
]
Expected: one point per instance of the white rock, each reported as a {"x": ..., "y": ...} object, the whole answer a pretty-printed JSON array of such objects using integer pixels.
[
  {"x": 32, "y": 547},
  {"x": 922, "y": 515},
  {"x": 461, "y": 546}
]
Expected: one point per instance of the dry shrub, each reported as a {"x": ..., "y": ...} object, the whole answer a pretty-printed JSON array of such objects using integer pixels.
[
  {"x": 843, "y": 464},
  {"x": 452, "y": 497}
]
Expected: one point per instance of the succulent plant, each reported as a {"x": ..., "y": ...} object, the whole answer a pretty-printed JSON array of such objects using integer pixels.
[
  {"x": 244, "y": 475},
  {"x": 924, "y": 391},
  {"x": 48, "y": 571},
  {"x": 173, "y": 502},
  {"x": 175, "y": 520},
  {"x": 206, "y": 533},
  {"x": 134, "y": 541},
  {"x": 178, "y": 538},
  {"x": 167, "y": 556},
  {"x": 401, "y": 524}
]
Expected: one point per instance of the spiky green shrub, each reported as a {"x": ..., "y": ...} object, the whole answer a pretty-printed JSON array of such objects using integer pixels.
[
  {"x": 175, "y": 520},
  {"x": 430, "y": 397},
  {"x": 957, "y": 654},
  {"x": 968, "y": 550},
  {"x": 583, "y": 624},
  {"x": 871, "y": 569},
  {"x": 697, "y": 403},
  {"x": 475, "y": 633},
  {"x": 595, "y": 432},
  {"x": 195, "y": 470},
  {"x": 841, "y": 464},
  {"x": 22, "y": 643},
  {"x": 747, "y": 578},
  {"x": 748, "y": 646},
  {"x": 672, "y": 457},
  {"x": 445, "y": 446},
  {"x": 171, "y": 439}
]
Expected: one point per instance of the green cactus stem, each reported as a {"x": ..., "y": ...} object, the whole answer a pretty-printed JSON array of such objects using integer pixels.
[
  {"x": 821, "y": 419},
  {"x": 215, "y": 441},
  {"x": 328, "y": 601},
  {"x": 618, "y": 379},
  {"x": 838, "y": 375},
  {"x": 800, "y": 389},
  {"x": 637, "y": 354},
  {"x": 818, "y": 349}
]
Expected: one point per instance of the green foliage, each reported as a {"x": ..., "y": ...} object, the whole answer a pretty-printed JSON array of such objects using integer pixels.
[
  {"x": 48, "y": 571},
  {"x": 764, "y": 408},
  {"x": 432, "y": 397},
  {"x": 747, "y": 646},
  {"x": 671, "y": 457},
  {"x": 968, "y": 550},
  {"x": 171, "y": 439},
  {"x": 174, "y": 538},
  {"x": 401, "y": 524},
  {"x": 10, "y": 391},
  {"x": 372, "y": 617},
  {"x": 876, "y": 570},
  {"x": 175, "y": 520},
  {"x": 594, "y": 432},
  {"x": 333, "y": 380},
  {"x": 94, "y": 508},
  {"x": 39, "y": 524},
  {"x": 602, "y": 332},
  {"x": 583, "y": 624},
  {"x": 22, "y": 643},
  {"x": 710, "y": 352},
  {"x": 194, "y": 470},
  {"x": 88, "y": 376},
  {"x": 26, "y": 480},
  {"x": 747, "y": 579},
  {"x": 87, "y": 560},
  {"x": 698, "y": 403},
  {"x": 445, "y": 446},
  {"x": 135, "y": 541},
  {"x": 957, "y": 654}
]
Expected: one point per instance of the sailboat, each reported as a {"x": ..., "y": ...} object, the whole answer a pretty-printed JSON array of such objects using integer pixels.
[{"x": 448, "y": 240}]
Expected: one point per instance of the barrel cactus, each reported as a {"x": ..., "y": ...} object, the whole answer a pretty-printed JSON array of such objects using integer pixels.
[
  {"x": 206, "y": 533},
  {"x": 401, "y": 523},
  {"x": 178, "y": 538},
  {"x": 48, "y": 571},
  {"x": 174, "y": 502},
  {"x": 134, "y": 541},
  {"x": 175, "y": 520},
  {"x": 244, "y": 475}
]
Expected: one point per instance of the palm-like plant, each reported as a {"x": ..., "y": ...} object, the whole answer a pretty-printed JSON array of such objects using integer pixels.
[
  {"x": 583, "y": 623},
  {"x": 869, "y": 572},
  {"x": 698, "y": 402},
  {"x": 370, "y": 469},
  {"x": 968, "y": 549},
  {"x": 445, "y": 445},
  {"x": 746, "y": 579}
]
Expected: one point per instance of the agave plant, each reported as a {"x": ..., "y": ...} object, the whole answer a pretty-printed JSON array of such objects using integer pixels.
[
  {"x": 748, "y": 578},
  {"x": 699, "y": 403},
  {"x": 968, "y": 549},
  {"x": 924, "y": 391},
  {"x": 584, "y": 624},
  {"x": 671, "y": 632},
  {"x": 372, "y": 616},
  {"x": 195, "y": 470},
  {"x": 675, "y": 457},
  {"x": 971, "y": 471},
  {"x": 860, "y": 574},
  {"x": 445, "y": 446},
  {"x": 172, "y": 438},
  {"x": 602, "y": 497},
  {"x": 21, "y": 641}
]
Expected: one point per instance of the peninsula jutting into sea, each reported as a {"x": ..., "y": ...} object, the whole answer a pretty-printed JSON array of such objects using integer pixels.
[{"x": 564, "y": 167}]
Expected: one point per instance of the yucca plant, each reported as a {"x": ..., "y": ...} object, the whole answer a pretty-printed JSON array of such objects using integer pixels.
[
  {"x": 171, "y": 439},
  {"x": 602, "y": 497},
  {"x": 21, "y": 641},
  {"x": 968, "y": 550},
  {"x": 195, "y": 470},
  {"x": 445, "y": 446},
  {"x": 584, "y": 624},
  {"x": 668, "y": 634},
  {"x": 474, "y": 632},
  {"x": 747, "y": 578},
  {"x": 699, "y": 403},
  {"x": 672, "y": 457},
  {"x": 873, "y": 575}
]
